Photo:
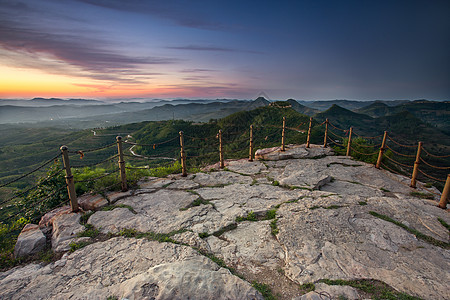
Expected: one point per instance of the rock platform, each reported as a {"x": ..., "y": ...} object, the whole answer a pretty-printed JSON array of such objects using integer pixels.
[{"x": 280, "y": 222}]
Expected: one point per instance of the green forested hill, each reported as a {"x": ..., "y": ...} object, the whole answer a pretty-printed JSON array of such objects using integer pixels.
[{"x": 435, "y": 113}]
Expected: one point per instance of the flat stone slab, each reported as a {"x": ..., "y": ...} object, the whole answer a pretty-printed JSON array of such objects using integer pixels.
[
  {"x": 154, "y": 183},
  {"x": 324, "y": 229},
  {"x": 220, "y": 178},
  {"x": 127, "y": 269},
  {"x": 243, "y": 166},
  {"x": 248, "y": 246},
  {"x": 347, "y": 243}
]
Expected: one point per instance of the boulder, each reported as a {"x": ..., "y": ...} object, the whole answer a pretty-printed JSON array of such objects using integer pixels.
[
  {"x": 48, "y": 218},
  {"x": 30, "y": 241},
  {"x": 65, "y": 227}
]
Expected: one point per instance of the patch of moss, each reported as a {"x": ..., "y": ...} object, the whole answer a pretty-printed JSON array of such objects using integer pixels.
[
  {"x": 444, "y": 223},
  {"x": 264, "y": 289},
  {"x": 89, "y": 231},
  {"x": 114, "y": 206},
  {"x": 225, "y": 229},
  {"x": 422, "y": 195},
  {"x": 308, "y": 287},
  {"x": 376, "y": 289},
  {"x": 76, "y": 246}
]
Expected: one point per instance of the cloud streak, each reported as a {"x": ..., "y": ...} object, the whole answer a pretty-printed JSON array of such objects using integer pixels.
[
  {"x": 210, "y": 48},
  {"x": 174, "y": 11},
  {"x": 74, "y": 50}
]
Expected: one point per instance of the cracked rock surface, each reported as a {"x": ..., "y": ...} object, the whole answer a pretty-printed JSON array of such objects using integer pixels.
[{"x": 282, "y": 222}]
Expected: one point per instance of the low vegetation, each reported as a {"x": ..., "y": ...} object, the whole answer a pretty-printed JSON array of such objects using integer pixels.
[
  {"x": 417, "y": 233},
  {"x": 373, "y": 288}
]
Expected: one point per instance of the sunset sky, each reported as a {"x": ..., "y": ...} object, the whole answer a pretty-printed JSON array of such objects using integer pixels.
[{"x": 309, "y": 50}]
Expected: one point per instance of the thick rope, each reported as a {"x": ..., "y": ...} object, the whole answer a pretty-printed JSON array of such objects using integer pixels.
[
  {"x": 32, "y": 171},
  {"x": 402, "y": 145},
  {"x": 432, "y": 166},
  {"x": 429, "y": 176},
  {"x": 398, "y": 153},
  {"x": 433, "y": 155}
]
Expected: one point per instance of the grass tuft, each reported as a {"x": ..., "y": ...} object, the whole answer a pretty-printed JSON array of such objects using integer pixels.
[
  {"x": 422, "y": 195},
  {"x": 444, "y": 223},
  {"x": 308, "y": 287},
  {"x": 264, "y": 289},
  {"x": 274, "y": 227},
  {"x": 89, "y": 231}
]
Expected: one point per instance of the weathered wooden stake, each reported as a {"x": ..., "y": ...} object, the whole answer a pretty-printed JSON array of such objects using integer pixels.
[
  {"x": 123, "y": 176},
  {"x": 69, "y": 180},
  {"x": 380, "y": 154},
  {"x": 183, "y": 156},
  {"x": 251, "y": 144},
  {"x": 308, "y": 139},
  {"x": 349, "y": 144},
  {"x": 283, "y": 136},
  {"x": 222, "y": 165},
  {"x": 416, "y": 166},
  {"x": 326, "y": 134},
  {"x": 445, "y": 193}
]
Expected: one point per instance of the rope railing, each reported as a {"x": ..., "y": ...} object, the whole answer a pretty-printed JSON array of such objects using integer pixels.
[
  {"x": 96, "y": 163},
  {"x": 367, "y": 146},
  {"x": 367, "y": 154},
  {"x": 337, "y": 128},
  {"x": 433, "y": 155},
  {"x": 334, "y": 142},
  {"x": 401, "y": 154},
  {"x": 31, "y": 172},
  {"x": 396, "y": 162},
  {"x": 31, "y": 188},
  {"x": 92, "y": 150},
  {"x": 97, "y": 178},
  {"x": 432, "y": 166},
  {"x": 339, "y": 136},
  {"x": 151, "y": 145},
  {"x": 400, "y": 144},
  {"x": 429, "y": 176},
  {"x": 199, "y": 147}
]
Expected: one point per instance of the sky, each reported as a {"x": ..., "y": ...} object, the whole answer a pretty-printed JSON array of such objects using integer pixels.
[{"x": 306, "y": 50}]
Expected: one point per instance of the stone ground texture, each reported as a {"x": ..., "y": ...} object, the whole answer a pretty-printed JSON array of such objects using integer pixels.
[{"x": 325, "y": 231}]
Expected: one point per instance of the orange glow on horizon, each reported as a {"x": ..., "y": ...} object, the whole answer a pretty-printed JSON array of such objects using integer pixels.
[{"x": 30, "y": 83}]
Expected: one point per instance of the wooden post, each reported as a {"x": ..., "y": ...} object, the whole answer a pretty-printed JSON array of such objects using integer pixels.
[
  {"x": 222, "y": 165},
  {"x": 416, "y": 166},
  {"x": 326, "y": 134},
  {"x": 283, "y": 136},
  {"x": 251, "y": 144},
  {"x": 380, "y": 154},
  {"x": 349, "y": 144},
  {"x": 69, "y": 180},
  {"x": 123, "y": 176},
  {"x": 308, "y": 139},
  {"x": 183, "y": 156},
  {"x": 445, "y": 194}
]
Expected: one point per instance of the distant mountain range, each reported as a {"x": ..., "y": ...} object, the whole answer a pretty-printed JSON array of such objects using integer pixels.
[{"x": 82, "y": 113}]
